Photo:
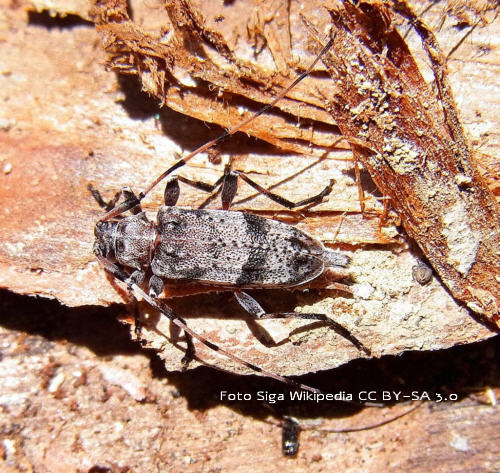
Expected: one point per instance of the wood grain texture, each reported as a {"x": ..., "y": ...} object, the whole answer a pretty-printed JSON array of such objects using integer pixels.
[
  {"x": 78, "y": 395},
  {"x": 58, "y": 143},
  {"x": 415, "y": 149}
]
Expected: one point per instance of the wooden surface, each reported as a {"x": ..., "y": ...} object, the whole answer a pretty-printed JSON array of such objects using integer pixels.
[
  {"x": 415, "y": 150},
  {"x": 77, "y": 394},
  {"x": 76, "y": 124},
  {"x": 66, "y": 122}
]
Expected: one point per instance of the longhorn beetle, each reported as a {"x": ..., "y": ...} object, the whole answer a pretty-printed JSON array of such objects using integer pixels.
[{"x": 236, "y": 250}]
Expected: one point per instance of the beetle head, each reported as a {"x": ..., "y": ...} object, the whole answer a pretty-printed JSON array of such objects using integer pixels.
[
  {"x": 104, "y": 239},
  {"x": 129, "y": 241}
]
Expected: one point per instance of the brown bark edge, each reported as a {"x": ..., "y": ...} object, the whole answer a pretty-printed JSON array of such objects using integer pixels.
[{"x": 419, "y": 159}]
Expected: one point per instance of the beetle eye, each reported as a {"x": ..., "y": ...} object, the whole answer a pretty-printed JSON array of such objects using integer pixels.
[{"x": 119, "y": 246}]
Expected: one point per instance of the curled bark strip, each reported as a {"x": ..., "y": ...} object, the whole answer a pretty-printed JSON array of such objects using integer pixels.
[
  {"x": 417, "y": 157},
  {"x": 192, "y": 68}
]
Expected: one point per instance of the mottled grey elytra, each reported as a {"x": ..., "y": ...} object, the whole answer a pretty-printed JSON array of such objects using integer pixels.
[{"x": 217, "y": 247}]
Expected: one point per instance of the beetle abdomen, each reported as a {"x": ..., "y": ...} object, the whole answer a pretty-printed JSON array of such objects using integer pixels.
[{"x": 233, "y": 248}]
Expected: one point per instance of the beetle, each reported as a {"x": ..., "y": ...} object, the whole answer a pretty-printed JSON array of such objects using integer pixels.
[{"x": 231, "y": 249}]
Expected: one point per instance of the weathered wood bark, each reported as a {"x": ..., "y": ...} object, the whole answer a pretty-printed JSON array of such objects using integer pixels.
[
  {"x": 415, "y": 150},
  {"x": 65, "y": 122},
  {"x": 80, "y": 396}
]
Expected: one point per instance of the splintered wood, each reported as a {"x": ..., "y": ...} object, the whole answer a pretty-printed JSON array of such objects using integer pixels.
[
  {"x": 63, "y": 131},
  {"x": 193, "y": 70},
  {"x": 415, "y": 149}
]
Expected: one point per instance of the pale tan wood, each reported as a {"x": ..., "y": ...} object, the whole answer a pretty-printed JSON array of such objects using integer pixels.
[{"x": 63, "y": 124}]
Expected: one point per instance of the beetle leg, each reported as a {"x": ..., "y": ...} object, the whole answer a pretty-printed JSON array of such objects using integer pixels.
[
  {"x": 155, "y": 288},
  {"x": 254, "y": 308},
  {"x": 190, "y": 350},
  {"x": 129, "y": 196},
  {"x": 230, "y": 186},
  {"x": 227, "y": 186},
  {"x": 137, "y": 277},
  {"x": 172, "y": 190},
  {"x": 130, "y": 201},
  {"x": 229, "y": 189},
  {"x": 249, "y": 304},
  {"x": 137, "y": 323},
  {"x": 102, "y": 203},
  {"x": 156, "y": 285}
]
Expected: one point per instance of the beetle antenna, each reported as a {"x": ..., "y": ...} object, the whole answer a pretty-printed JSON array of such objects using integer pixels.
[{"x": 128, "y": 204}]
